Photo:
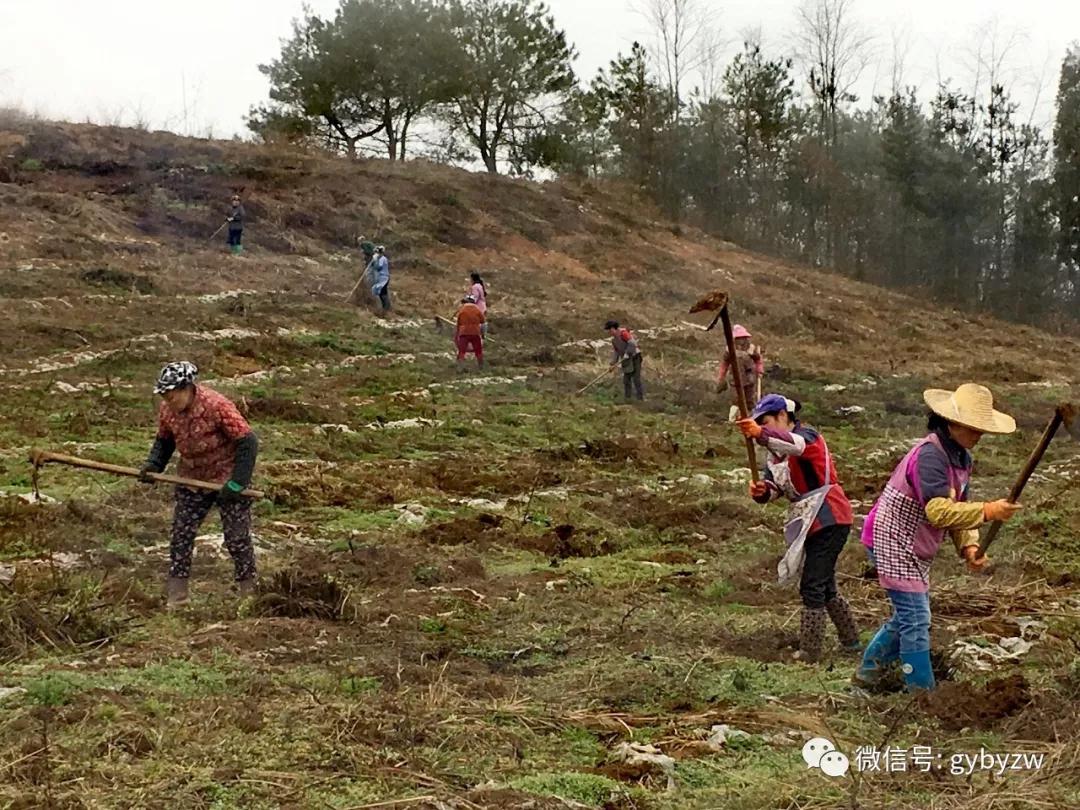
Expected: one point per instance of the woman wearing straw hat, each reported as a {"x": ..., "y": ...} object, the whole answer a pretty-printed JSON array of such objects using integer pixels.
[{"x": 925, "y": 498}]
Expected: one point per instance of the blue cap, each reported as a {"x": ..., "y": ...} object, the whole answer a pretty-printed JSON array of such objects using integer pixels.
[{"x": 772, "y": 403}]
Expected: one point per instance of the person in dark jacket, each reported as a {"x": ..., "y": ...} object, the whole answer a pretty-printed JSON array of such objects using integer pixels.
[
  {"x": 236, "y": 225},
  {"x": 627, "y": 355},
  {"x": 216, "y": 444},
  {"x": 800, "y": 468}
]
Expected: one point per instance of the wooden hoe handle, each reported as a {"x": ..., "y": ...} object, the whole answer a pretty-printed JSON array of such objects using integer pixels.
[
  {"x": 740, "y": 392},
  {"x": 39, "y": 457},
  {"x": 1025, "y": 475}
]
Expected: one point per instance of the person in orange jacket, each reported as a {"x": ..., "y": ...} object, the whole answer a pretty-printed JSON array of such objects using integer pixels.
[{"x": 468, "y": 332}]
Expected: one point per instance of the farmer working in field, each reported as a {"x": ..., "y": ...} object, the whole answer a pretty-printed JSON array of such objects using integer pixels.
[
  {"x": 925, "y": 498},
  {"x": 379, "y": 270},
  {"x": 217, "y": 445},
  {"x": 236, "y": 225},
  {"x": 468, "y": 332},
  {"x": 751, "y": 365},
  {"x": 627, "y": 355},
  {"x": 800, "y": 468},
  {"x": 478, "y": 290}
]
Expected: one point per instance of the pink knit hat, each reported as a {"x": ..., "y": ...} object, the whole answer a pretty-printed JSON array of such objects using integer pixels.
[{"x": 739, "y": 331}]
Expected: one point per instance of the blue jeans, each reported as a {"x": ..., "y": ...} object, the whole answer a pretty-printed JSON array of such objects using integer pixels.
[
  {"x": 907, "y": 632},
  {"x": 910, "y": 621}
]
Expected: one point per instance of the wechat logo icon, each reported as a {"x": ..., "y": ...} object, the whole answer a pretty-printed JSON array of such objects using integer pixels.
[{"x": 822, "y": 754}]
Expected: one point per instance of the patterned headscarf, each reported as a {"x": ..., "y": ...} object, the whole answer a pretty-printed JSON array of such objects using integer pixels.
[{"x": 176, "y": 375}]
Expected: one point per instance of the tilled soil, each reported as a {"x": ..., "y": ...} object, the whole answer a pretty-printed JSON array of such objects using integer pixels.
[{"x": 959, "y": 705}]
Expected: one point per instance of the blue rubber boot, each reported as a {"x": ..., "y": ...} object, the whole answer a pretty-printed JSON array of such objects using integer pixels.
[
  {"x": 881, "y": 652},
  {"x": 918, "y": 673}
]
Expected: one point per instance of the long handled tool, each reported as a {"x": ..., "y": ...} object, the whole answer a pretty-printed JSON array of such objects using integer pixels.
[
  {"x": 40, "y": 457},
  {"x": 1065, "y": 414},
  {"x": 219, "y": 230},
  {"x": 599, "y": 377},
  {"x": 709, "y": 302}
]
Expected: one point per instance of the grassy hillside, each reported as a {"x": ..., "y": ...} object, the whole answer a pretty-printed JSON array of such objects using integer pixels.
[{"x": 475, "y": 586}]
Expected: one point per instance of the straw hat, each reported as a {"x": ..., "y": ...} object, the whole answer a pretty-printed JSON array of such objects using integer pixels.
[{"x": 970, "y": 405}]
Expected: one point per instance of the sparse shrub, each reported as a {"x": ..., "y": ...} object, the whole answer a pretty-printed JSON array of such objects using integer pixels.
[
  {"x": 359, "y": 684},
  {"x": 53, "y": 689},
  {"x": 718, "y": 590},
  {"x": 1070, "y": 680},
  {"x": 31, "y": 165},
  {"x": 430, "y": 624},
  {"x": 588, "y": 788},
  {"x": 427, "y": 574}
]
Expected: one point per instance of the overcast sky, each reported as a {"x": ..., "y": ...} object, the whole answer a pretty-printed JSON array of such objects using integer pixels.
[{"x": 191, "y": 65}]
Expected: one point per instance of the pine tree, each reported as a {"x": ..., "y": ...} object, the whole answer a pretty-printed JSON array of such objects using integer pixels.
[{"x": 1067, "y": 169}]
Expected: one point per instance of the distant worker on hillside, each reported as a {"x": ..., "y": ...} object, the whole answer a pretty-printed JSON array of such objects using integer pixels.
[
  {"x": 217, "y": 445},
  {"x": 468, "y": 331},
  {"x": 236, "y": 225},
  {"x": 379, "y": 270},
  {"x": 362, "y": 289},
  {"x": 478, "y": 290},
  {"x": 800, "y": 468},
  {"x": 627, "y": 355},
  {"x": 751, "y": 366}
]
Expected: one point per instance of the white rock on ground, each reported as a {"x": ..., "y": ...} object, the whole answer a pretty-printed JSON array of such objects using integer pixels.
[
  {"x": 405, "y": 424},
  {"x": 641, "y": 754},
  {"x": 721, "y": 735},
  {"x": 412, "y": 514}
]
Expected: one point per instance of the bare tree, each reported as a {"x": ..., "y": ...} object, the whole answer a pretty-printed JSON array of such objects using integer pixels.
[
  {"x": 835, "y": 48},
  {"x": 990, "y": 59},
  {"x": 685, "y": 42},
  {"x": 902, "y": 42}
]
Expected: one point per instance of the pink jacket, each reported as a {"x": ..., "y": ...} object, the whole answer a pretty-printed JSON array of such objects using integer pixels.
[{"x": 477, "y": 292}]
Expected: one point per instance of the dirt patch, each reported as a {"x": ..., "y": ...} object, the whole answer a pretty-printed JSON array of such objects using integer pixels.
[
  {"x": 642, "y": 450},
  {"x": 298, "y": 594},
  {"x": 641, "y": 773},
  {"x": 304, "y": 488},
  {"x": 959, "y": 705},
  {"x": 465, "y": 479},
  {"x": 121, "y": 279},
  {"x": 568, "y": 541},
  {"x": 662, "y": 512},
  {"x": 285, "y": 410},
  {"x": 768, "y": 644},
  {"x": 132, "y": 741},
  {"x": 1047, "y": 718},
  {"x": 483, "y": 529}
]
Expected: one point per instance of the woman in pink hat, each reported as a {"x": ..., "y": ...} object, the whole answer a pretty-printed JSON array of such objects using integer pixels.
[{"x": 752, "y": 366}]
